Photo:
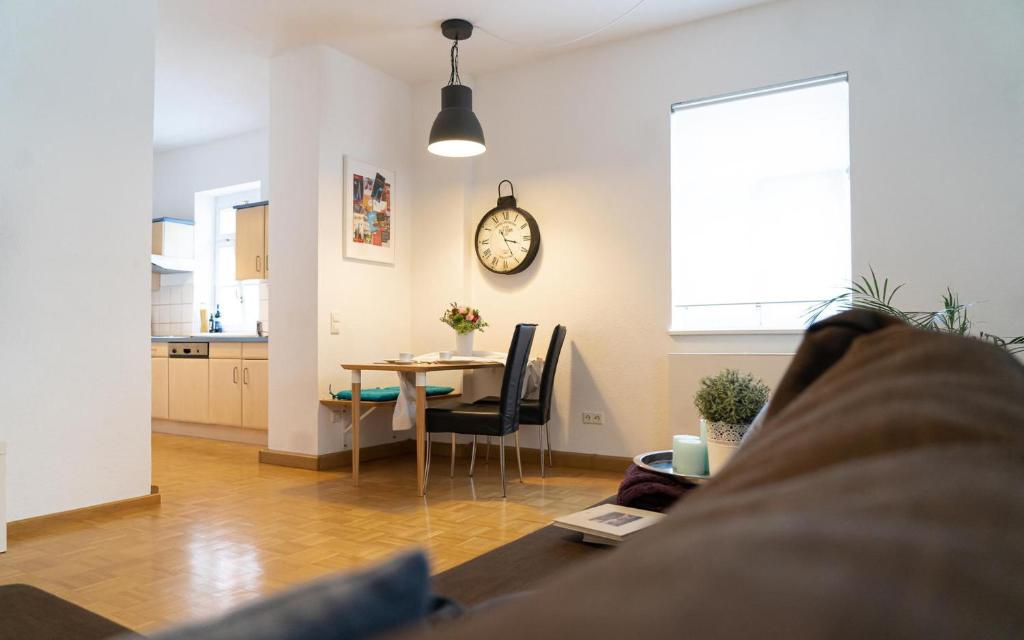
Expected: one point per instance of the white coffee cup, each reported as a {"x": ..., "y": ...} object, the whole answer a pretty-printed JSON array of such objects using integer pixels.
[
  {"x": 444, "y": 355},
  {"x": 405, "y": 356}
]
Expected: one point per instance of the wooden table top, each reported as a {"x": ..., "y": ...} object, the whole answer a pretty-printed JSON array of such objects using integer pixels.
[{"x": 417, "y": 367}]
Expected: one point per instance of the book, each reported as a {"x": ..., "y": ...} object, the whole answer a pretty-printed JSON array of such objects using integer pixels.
[{"x": 608, "y": 523}]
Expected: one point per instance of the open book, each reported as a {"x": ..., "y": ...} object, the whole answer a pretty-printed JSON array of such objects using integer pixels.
[{"x": 608, "y": 523}]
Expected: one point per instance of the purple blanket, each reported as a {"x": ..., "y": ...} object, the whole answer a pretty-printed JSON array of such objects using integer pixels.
[{"x": 644, "y": 489}]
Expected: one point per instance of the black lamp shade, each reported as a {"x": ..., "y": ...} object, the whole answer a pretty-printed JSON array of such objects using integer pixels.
[{"x": 456, "y": 131}]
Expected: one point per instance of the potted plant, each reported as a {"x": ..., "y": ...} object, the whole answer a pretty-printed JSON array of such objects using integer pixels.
[
  {"x": 728, "y": 403},
  {"x": 465, "y": 320}
]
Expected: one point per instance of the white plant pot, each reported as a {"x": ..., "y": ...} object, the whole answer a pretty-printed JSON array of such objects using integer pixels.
[
  {"x": 723, "y": 440},
  {"x": 464, "y": 344}
]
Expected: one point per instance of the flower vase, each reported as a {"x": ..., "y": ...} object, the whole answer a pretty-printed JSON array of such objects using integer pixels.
[{"x": 464, "y": 344}]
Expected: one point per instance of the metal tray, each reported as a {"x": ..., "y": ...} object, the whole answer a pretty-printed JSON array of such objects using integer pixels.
[{"x": 661, "y": 462}]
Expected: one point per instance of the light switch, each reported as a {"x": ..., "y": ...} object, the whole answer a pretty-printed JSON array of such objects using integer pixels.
[{"x": 335, "y": 323}]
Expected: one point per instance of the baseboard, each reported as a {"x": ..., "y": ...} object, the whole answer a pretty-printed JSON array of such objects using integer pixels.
[
  {"x": 569, "y": 459},
  {"x": 25, "y": 525},
  {"x": 343, "y": 459},
  {"x": 337, "y": 459},
  {"x": 210, "y": 431}
]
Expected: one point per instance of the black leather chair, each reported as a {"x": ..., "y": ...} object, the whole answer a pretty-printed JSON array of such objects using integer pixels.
[
  {"x": 494, "y": 419},
  {"x": 538, "y": 412}
]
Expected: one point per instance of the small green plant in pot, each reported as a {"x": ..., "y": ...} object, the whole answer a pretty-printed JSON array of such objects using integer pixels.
[{"x": 728, "y": 402}]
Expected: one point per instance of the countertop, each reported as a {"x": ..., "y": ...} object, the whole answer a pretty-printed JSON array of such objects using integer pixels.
[{"x": 212, "y": 337}]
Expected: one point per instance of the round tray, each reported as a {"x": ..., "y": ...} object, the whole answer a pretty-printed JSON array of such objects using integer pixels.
[{"x": 661, "y": 462}]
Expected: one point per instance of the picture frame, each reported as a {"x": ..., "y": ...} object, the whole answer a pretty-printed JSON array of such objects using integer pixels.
[{"x": 369, "y": 222}]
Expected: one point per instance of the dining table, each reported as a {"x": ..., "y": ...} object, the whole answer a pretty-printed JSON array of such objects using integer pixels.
[{"x": 420, "y": 369}]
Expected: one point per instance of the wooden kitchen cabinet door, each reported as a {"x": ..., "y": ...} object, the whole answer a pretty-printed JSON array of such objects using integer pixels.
[
  {"x": 254, "y": 394},
  {"x": 250, "y": 238},
  {"x": 226, "y": 392},
  {"x": 189, "y": 389},
  {"x": 159, "y": 395}
]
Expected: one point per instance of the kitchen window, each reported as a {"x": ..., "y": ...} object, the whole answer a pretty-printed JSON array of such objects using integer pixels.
[
  {"x": 239, "y": 300},
  {"x": 760, "y": 185}
]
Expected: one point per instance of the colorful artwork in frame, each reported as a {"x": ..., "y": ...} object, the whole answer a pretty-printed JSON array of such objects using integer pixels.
[{"x": 369, "y": 217}]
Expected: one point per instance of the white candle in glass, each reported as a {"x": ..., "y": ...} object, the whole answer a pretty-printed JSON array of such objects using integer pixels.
[{"x": 689, "y": 455}]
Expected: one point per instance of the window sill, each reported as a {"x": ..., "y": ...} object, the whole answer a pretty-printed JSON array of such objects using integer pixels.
[{"x": 737, "y": 332}]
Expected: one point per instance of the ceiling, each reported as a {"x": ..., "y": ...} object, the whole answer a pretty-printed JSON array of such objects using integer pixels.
[{"x": 212, "y": 56}]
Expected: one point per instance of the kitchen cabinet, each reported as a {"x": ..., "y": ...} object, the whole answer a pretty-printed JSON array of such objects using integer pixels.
[
  {"x": 159, "y": 395},
  {"x": 189, "y": 389},
  {"x": 174, "y": 238},
  {"x": 254, "y": 394},
  {"x": 251, "y": 241},
  {"x": 226, "y": 392}
]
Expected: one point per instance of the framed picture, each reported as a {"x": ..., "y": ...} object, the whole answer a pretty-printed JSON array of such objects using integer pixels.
[{"x": 369, "y": 215}]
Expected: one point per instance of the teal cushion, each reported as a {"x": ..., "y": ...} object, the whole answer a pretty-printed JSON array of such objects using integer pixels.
[{"x": 386, "y": 394}]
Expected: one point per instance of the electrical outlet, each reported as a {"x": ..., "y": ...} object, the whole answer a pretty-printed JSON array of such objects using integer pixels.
[{"x": 593, "y": 417}]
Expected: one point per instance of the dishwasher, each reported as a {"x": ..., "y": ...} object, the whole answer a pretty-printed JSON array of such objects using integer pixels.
[{"x": 188, "y": 381}]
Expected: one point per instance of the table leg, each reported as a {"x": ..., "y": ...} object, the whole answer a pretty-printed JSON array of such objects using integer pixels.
[
  {"x": 357, "y": 385},
  {"x": 421, "y": 427}
]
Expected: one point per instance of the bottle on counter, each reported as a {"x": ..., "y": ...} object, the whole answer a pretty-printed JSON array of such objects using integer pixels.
[
  {"x": 204, "y": 319},
  {"x": 217, "y": 326}
]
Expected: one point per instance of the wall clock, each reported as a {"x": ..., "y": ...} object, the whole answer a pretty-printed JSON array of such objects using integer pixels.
[{"x": 507, "y": 238}]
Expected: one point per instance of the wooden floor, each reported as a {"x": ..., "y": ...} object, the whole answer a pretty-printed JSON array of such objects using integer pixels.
[{"x": 230, "y": 529}]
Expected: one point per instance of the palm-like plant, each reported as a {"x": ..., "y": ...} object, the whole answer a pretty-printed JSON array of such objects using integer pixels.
[{"x": 868, "y": 293}]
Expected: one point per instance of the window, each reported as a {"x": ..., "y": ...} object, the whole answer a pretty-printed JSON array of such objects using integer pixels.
[
  {"x": 239, "y": 300},
  {"x": 760, "y": 206}
]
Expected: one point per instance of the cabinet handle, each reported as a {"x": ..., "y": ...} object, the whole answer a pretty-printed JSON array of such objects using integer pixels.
[
  {"x": 245, "y": 375},
  {"x": 234, "y": 375},
  {"x": 257, "y": 264}
]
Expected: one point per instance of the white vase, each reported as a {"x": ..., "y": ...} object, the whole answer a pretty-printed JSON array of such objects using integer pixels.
[
  {"x": 464, "y": 344},
  {"x": 723, "y": 440}
]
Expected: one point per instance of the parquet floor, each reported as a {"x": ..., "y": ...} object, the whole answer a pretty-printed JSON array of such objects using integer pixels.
[{"x": 230, "y": 529}]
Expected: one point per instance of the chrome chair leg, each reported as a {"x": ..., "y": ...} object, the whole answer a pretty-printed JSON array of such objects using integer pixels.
[
  {"x": 547, "y": 433},
  {"x": 519, "y": 458},
  {"x": 451, "y": 472},
  {"x": 540, "y": 434},
  {"x": 501, "y": 463},
  {"x": 426, "y": 467},
  {"x": 472, "y": 458}
]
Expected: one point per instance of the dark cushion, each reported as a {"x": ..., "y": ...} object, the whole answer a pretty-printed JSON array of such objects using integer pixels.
[
  {"x": 347, "y": 607},
  {"x": 469, "y": 419},
  {"x": 28, "y": 613},
  {"x": 529, "y": 410},
  {"x": 882, "y": 498}
]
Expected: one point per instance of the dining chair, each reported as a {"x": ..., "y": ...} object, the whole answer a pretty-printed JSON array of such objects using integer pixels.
[
  {"x": 497, "y": 419},
  {"x": 538, "y": 412}
]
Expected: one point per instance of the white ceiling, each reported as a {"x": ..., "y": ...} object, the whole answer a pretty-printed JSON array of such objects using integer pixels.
[{"x": 212, "y": 56}]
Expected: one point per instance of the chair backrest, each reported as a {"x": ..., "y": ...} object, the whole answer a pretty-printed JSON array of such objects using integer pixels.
[
  {"x": 515, "y": 373},
  {"x": 547, "y": 378}
]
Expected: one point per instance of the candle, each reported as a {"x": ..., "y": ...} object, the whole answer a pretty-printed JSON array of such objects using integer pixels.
[{"x": 689, "y": 455}]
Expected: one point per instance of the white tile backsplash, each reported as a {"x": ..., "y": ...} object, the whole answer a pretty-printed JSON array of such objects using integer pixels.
[{"x": 174, "y": 314}]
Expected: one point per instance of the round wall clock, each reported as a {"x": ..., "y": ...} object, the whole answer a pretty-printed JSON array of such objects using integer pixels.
[{"x": 507, "y": 238}]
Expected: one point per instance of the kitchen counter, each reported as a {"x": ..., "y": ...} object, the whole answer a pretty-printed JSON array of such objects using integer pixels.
[{"x": 211, "y": 337}]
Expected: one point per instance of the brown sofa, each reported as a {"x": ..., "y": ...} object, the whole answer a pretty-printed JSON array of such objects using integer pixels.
[{"x": 883, "y": 497}]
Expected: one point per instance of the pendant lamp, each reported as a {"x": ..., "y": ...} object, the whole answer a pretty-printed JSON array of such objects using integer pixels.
[{"x": 456, "y": 132}]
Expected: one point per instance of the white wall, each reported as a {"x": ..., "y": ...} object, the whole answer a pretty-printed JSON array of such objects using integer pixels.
[
  {"x": 936, "y": 90},
  {"x": 76, "y": 160},
  {"x": 179, "y": 173},
  {"x": 325, "y": 105}
]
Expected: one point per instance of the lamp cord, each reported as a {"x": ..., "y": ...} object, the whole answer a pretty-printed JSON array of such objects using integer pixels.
[
  {"x": 454, "y": 78},
  {"x": 556, "y": 45}
]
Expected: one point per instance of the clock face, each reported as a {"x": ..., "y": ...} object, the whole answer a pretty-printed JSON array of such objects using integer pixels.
[{"x": 507, "y": 240}]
